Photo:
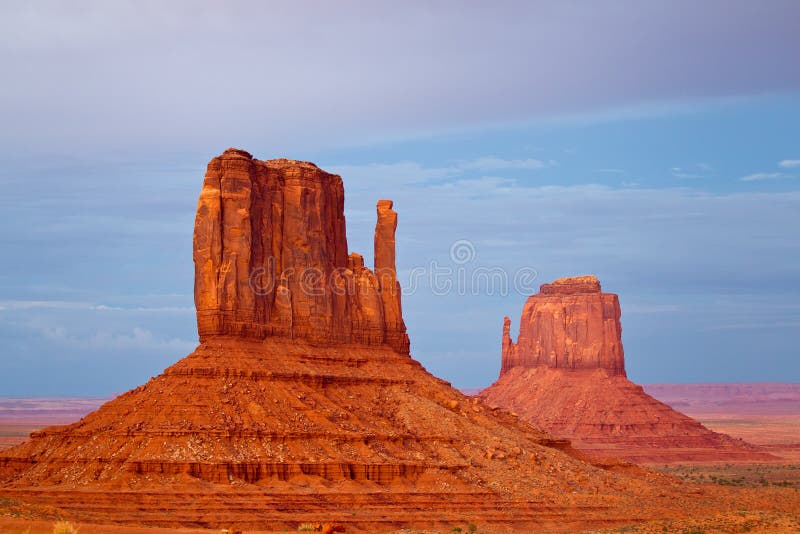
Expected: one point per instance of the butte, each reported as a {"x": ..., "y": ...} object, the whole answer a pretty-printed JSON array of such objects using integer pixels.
[
  {"x": 566, "y": 375},
  {"x": 302, "y": 404}
]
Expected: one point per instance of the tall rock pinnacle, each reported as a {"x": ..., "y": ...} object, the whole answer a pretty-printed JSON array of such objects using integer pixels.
[
  {"x": 570, "y": 324},
  {"x": 386, "y": 271},
  {"x": 270, "y": 254}
]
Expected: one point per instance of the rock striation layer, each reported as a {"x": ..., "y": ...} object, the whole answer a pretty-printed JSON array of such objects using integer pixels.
[
  {"x": 566, "y": 375},
  {"x": 271, "y": 258},
  {"x": 570, "y": 324}
]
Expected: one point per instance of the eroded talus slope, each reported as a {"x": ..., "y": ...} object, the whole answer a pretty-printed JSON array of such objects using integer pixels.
[{"x": 281, "y": 432}]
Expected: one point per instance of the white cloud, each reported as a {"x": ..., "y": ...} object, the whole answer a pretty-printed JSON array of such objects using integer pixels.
[
  {"x": 372, "y": 176},
  {"x": 789, "y": 163},
  {"x": 758, "y": 176},
  {"x": 146, "y": 309},
  {"x": 7, "y": 305},
  {"x": 633, "y": 309},
  {"x": 486, "y": 184},
  {"x": 44, "y": 304},
  {"x": 698, "y": 170},
  {"x": 361, "y": 74},
  {"x": 401, "y": 173},
  {"x": 755, "y": 326},
  {"x": 137, "y": 339},
  {"x": 492, "y": 163}
]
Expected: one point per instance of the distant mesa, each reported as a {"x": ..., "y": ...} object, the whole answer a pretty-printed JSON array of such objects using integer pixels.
[
  {"x": 566, "y": 375},
  {"x": 570, "y": 324}
]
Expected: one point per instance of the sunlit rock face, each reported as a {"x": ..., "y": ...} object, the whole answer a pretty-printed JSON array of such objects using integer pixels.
[{"x": 271, "y": 258}]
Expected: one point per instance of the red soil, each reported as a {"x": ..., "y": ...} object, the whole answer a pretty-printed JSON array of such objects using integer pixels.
[{"x": 608, "y": 415}]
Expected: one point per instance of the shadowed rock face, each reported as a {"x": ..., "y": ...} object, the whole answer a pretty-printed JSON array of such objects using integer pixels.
[
  {"x": 271, "y": 259},
  {"x": 570, "y": 324}
]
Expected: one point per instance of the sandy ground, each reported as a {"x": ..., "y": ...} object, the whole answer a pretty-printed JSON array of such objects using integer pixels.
[
  {"x": 27, "y": 526},
  {"x": 779, "y": 434}
]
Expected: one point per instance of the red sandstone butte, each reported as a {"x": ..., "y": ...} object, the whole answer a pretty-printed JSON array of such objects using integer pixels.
[
  {"x": 302, "y": 404},
  {"x": 566, "y": 375},
  {"x": 270, "y": 255}
]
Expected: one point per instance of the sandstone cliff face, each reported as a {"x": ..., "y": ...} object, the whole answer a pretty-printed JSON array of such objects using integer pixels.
[
  {"x": 271, "y": 259},
  {"x": 570, "y": 324}
]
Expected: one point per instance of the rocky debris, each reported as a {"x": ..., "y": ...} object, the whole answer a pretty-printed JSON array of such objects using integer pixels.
[{"x": 566, "y": 375}]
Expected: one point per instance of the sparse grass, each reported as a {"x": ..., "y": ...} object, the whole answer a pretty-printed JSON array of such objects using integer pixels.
[
  {"x": 64, "y": 527},
  {"x": 5, "y": 502},
  {"x": 740, "y": 475}
]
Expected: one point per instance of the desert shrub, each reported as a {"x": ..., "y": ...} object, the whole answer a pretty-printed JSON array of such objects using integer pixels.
[
  {"x": 306, "y": 527},
  {"x": 472, "y": 527},
  {"x": 64, "y": 527}
]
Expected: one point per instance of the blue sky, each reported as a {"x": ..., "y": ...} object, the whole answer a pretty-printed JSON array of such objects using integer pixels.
[{"x": 656, "y": 145}]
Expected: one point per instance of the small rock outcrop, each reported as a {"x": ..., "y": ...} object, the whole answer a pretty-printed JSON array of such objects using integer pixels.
[
  {"x": 566, "y": 375},
  {"x": 271, "y": 258}
]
